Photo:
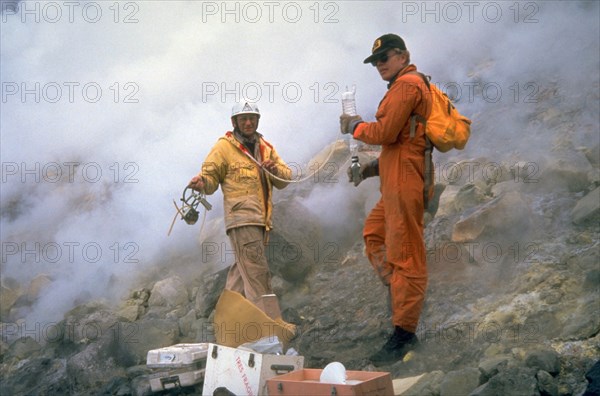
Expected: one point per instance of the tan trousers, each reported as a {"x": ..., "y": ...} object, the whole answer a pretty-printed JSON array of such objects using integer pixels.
[{"x": 249, "y": 275}]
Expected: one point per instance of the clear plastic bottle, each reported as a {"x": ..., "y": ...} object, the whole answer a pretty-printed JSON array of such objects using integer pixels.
[
  {"x": 349, "y": 107},
  {"x": 349, "y": 101}
]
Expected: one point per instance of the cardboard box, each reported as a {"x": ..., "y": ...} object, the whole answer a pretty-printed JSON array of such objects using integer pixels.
[
  {"x": 307, "y": 382},
  {"x": 244, "y": 372}
]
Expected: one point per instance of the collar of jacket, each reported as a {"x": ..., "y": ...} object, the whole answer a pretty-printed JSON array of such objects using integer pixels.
[
  {"x": 231, "y": 136},
  {"x": 246, "y": 140},
  {"x": 262, "y": 144},
  {"x": 407, "y": 69}
]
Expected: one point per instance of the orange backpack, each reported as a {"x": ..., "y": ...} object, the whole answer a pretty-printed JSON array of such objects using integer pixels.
[{"x": 445, "y": 127}]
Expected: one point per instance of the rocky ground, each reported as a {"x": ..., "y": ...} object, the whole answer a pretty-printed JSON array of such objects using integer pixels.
[{"x": 513, "y": 300}]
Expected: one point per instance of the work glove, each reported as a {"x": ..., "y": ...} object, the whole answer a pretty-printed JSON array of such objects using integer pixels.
[
  {"x": 370, "y": 169},
  {"x": 348, "y": 123}
]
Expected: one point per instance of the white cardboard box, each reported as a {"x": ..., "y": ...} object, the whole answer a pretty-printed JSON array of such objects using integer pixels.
[{"x": 244, "y": 372}]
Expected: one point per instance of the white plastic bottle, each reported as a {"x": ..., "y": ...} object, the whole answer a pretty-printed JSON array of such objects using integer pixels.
[{"x": 349, "y": 101}]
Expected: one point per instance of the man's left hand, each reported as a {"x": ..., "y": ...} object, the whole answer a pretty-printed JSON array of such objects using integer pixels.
[
  {"x": 348, "y": 123},
  {"x": 367, "y": 170}
]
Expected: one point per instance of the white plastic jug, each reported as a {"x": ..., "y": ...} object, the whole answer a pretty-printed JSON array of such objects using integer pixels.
[{"x": 334, "y": 373}]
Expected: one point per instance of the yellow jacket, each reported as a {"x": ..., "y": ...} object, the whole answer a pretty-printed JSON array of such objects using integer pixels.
[{"x": 246, "y": 187}]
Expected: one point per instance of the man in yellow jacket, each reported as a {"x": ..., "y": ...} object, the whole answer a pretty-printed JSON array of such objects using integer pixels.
[
  {"x": 246, "y": 167},
  {"x": 393, "y": 231}
]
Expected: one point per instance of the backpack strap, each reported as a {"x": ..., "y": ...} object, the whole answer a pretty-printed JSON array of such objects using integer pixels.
[
  {"x": 413, "y": 123},
  {"x": 417, "y": 117},
  {"x": 427, "y": 172},
  {"x": 424, "y": 77},
  {"x": 428, "y": 166}
]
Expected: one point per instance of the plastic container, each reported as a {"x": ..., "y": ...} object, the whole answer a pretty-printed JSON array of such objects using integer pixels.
[
  {"x": 175, "y": 356},
  {"x": 334, "y": 373},
  {"x": 349, "y": 101}
]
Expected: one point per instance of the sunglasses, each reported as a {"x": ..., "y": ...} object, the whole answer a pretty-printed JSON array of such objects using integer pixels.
[{"x": 383, "y": 58}]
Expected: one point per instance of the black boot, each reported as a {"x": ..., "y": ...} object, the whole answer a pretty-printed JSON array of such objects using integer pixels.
[{"x": 395, "y": 348}]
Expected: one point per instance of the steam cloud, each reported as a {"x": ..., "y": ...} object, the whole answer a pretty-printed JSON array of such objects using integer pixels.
[{"x": 109, "y": 108}]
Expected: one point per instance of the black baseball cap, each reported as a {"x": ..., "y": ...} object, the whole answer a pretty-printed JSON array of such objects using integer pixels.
[{"x": 383, "y": 44}]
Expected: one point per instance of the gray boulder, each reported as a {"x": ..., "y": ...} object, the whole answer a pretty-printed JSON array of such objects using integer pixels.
[
  {"x": 504, "y": 214},
  {"x": 546, "y": 384},
  {"x": 460, "y": 382},
  {"x": 37, "y": 376},
  {"x": 544, "y": 359},
  {"x": 512, "y": 381},
  {"x": 587, "y": 208},
  {"x": 150, "y": 333},
  {"x": 170, "y": 292},
  {"x": 209, "y": 292},
  {"x": 427, "y": 385},
  {"x": 24, "y": 347},
  {"x": 97, "y": 364},
  {"x": 492, "y": 366}
]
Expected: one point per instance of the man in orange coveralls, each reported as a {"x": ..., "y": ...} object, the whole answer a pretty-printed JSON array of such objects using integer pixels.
[{"x": 393, "y": 231}]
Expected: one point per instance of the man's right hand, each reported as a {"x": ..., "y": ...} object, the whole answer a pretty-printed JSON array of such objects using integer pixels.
[
  {"x": 348, "y": 123},
  {"x": 197, "y": 183}
]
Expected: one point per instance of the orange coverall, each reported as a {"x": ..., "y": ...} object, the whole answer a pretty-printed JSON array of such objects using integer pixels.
[{"x": 393, "y": 231}]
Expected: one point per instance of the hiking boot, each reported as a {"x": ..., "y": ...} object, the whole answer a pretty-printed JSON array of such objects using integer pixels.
[{"x": 395, "y": 348}]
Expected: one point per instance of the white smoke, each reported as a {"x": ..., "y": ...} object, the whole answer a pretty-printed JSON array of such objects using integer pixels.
[{"x": 125, "y": 99}]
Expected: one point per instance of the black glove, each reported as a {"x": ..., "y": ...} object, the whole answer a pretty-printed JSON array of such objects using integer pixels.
[
  {"x": 370, "y": 169},
  {"x": 348, "y": 123}
]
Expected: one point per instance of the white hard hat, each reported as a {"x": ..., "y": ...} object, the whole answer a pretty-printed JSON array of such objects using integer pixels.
[{"x": 245, "y": 107}]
